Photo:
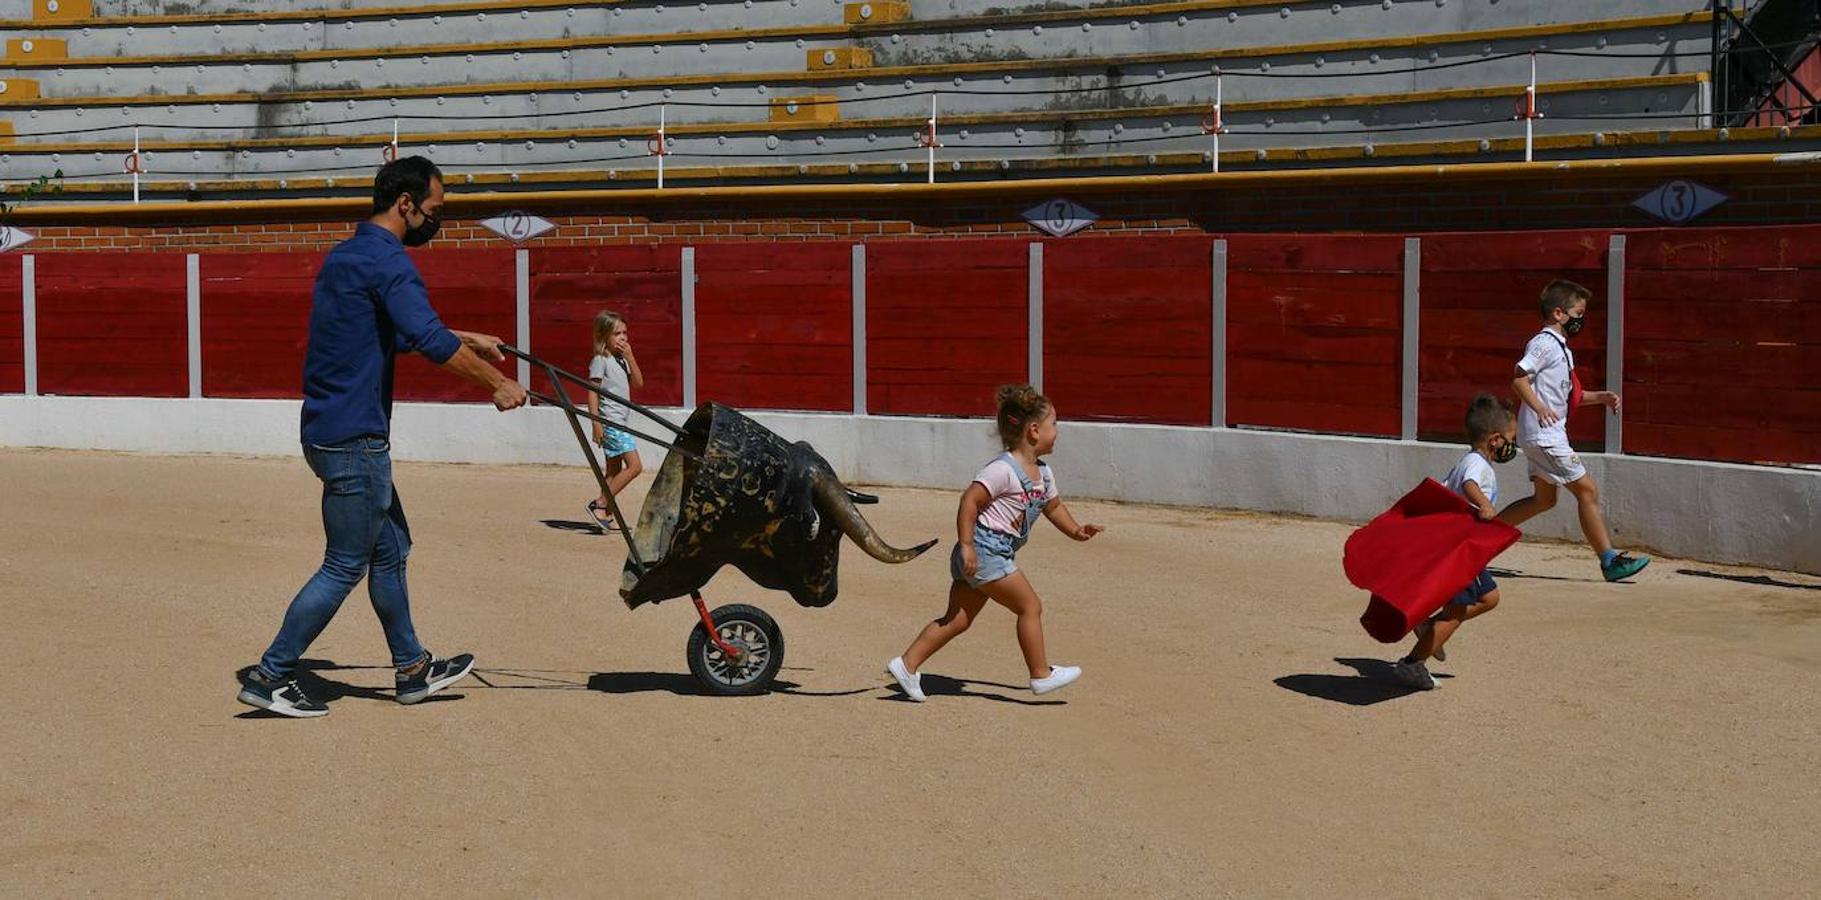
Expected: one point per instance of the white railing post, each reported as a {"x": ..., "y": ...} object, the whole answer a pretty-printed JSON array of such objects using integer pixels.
[{"x": 929, "y": 140}]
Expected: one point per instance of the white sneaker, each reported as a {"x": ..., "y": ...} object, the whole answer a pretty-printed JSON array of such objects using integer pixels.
[
  {"x": 911, "y": 683},
  {"x": 1415, "y": 675},
  {"x": 1060, "y": 677}
]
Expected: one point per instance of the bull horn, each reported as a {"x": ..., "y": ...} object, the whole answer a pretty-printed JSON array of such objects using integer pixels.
[{"x": 833, "y": 500}]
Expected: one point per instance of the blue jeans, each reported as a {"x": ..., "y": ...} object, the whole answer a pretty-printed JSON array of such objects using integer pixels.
[{"x": 366, "y": 537}]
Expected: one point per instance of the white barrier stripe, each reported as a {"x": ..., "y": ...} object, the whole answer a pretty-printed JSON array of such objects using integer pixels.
[
  {"x": 1615, "y": 339},
  {"x": 859, "y": 339},
  {"x": 689, "y": 328},
  {"x": 1413, "y": 265},
  {"x": 193, "y": 275},
  {"x": 29, "y": 328}
]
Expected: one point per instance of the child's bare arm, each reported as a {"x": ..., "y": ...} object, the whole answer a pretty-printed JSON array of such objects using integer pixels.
[
  {"x": 1525, "y": 392},
  {"x": 594, "y": 408},
  {"x": 966, "y": 514},
  {"x": 1600, "y": 398},
  {"x": 1059, "y": 516},
  {"x": 1478, "y": 498},
  {"x": 634, "y": 377}
]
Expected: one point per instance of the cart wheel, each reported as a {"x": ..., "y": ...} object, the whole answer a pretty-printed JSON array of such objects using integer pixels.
[{"x": 749, "y": 630}]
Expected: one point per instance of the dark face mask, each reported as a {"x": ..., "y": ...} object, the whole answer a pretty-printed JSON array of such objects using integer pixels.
[
  {"x": 421, "y": 233},
  {"x": 1503, "y": 451},
  {"x": 1574, "y": 325}
]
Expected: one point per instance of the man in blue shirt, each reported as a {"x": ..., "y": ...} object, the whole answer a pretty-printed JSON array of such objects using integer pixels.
[{"x": 369, "y": 305}]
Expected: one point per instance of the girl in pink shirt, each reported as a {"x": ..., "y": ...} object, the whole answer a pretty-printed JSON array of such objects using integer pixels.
[{"x": 997, "y": 512}]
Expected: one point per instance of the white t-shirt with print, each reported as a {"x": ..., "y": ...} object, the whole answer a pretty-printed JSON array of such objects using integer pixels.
[
  {"x": 1474, "y": 467},
  {"x": 1006, "y": 497},
  {"x": 1550, "y": 365},
  {"x": 611, "y": 373}
]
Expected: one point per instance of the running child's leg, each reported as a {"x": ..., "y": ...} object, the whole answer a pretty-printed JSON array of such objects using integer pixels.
[
  {"x": 610, "y": 468},
  {"x": 1015, "y": 593},
  {"x": 1440, "y": 629},
  {"x": 1541, "y": 500},
  {"x": 626, "y": 467},
  {"x": 964, "y": 603},
  {"x": 1593, "y": 521}
]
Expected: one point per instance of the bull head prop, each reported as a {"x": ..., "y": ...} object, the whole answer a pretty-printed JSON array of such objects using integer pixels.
[{"x": 733, "y": 492}]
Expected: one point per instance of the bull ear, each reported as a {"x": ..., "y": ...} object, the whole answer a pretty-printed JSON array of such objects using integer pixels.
[
  {"x": 858, "y": 497},
  {"x": 833, "y": 501}
]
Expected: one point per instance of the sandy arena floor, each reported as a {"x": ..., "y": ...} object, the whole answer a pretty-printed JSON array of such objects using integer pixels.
[{"x": 1659, "y": 739}]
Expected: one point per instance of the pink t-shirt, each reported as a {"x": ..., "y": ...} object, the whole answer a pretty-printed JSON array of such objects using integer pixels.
[{"x": 1006, "y": 497}]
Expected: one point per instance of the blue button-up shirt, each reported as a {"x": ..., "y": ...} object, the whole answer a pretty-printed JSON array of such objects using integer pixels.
[{"x": 369, "y": 304}]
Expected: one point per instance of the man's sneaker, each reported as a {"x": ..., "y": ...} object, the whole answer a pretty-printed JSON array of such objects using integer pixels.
[
  {"x": 433, "y": 676},
  {"x": 1623, "y": 566},
  {"x": 911, "y": 683},
  {"x": 1413, "y": 675},
  {"x": 1422, "y": 631},
  {"x": 1059, "y": 677},
  {"x": 282, "y": 696}
]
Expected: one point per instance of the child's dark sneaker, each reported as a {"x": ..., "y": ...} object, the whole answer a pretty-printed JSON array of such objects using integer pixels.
[
  {"x": 282, "y": 696},
  {"x": 1623, "y": 566},
  {"x": 431, "y": 676},
  {"x": 1413, "y": 675}
]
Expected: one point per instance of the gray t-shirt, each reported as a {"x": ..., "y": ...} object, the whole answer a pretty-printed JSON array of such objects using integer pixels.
[{"x": 610, "y": 373}]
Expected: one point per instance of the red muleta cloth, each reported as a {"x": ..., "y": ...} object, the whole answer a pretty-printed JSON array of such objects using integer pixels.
[{"x": 1417, "y": 555}]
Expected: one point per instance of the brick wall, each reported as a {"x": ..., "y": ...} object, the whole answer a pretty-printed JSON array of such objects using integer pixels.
[{"x": 1777, "y": 197}]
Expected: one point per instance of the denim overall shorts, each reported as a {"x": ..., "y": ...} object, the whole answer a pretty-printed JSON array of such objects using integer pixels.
[{"x": 994, "y": 549}]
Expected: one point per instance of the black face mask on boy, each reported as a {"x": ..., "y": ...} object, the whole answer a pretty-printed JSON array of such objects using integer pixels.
[
  {"x": 1571, "y": 327},
  {"x": 1503, "y": 452},
  {"x": 421, "y": 233}
]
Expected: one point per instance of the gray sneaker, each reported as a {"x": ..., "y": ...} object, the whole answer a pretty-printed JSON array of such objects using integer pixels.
[
  {"x": 1413, "y": 675},
  {"x": 431, "y": 676}
]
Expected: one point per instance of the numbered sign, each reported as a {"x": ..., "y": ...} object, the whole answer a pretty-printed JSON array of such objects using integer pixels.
[
  {"x": 518, "y": 227},
  {"x": 12, "y": 238},
  {"x": 1680, "y": 201},
  {"x": 1060, "y": 218}
]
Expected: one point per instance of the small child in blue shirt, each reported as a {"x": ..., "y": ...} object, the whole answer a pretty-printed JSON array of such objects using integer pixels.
[{"x": 1492, "y": 432}]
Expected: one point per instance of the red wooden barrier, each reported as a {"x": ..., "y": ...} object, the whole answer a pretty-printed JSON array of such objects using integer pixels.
[
  {"x": 472, "y": 290},
  {"x": 1479, "y": 308},
  {"x": 946, "y": 324},
  {"x": 1723, "y": 344},
  {"x": 255, "y": 322},
  {"x": 113, "y": 325},
  {"x": 570, "y": 285},
  {"x": 1313, "y": 332},
  {"x": 1127, "y": 328},
  {"x": 12, "y": 324},
  {"x": 774, "y": 325}
]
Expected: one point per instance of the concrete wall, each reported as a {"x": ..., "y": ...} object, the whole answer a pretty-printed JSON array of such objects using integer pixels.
[{"x": 1709, "y": 511}]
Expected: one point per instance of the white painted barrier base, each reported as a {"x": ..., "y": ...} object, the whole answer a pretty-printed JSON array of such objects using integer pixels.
[{"x": 1718, "y": 512}]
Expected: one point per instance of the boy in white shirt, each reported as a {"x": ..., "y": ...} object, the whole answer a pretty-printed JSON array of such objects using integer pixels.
[
  {"x": 1493, "y": 438},
  {"x": 1546, "y": 381}
]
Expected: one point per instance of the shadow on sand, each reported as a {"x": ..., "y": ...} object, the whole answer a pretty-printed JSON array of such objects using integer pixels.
[{"x": 1373, "y": 683}]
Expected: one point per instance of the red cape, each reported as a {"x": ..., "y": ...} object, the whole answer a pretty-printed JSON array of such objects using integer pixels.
[{"x": 1418, "y": 555}]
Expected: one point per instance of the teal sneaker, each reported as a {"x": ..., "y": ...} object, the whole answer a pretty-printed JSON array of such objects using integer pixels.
[{"x": 1623, "y": 566}]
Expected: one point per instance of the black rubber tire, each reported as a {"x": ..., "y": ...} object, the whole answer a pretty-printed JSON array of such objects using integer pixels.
[{"x": 737, "y": 621}]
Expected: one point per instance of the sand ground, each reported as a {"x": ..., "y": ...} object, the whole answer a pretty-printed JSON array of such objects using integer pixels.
[{"x": 1234, "y": 734}]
